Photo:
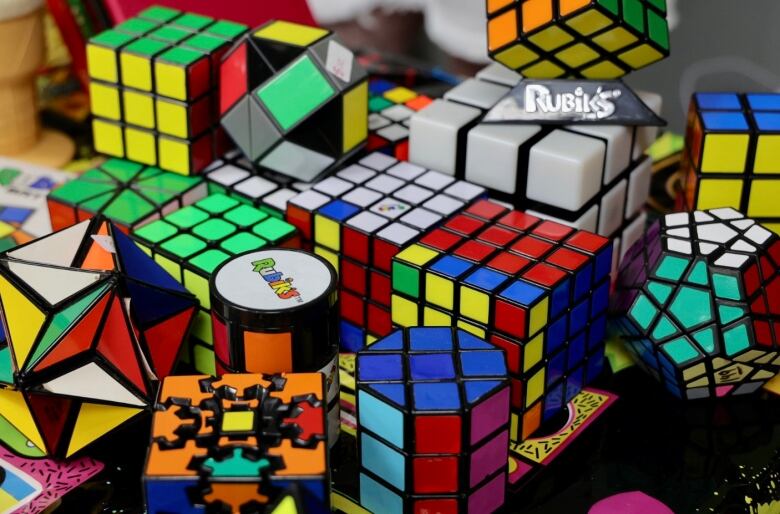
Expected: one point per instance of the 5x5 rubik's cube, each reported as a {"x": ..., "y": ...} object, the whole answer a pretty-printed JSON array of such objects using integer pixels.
[
  {"x": 153, "y": 85},
  {"x": 733, "y": 154}
]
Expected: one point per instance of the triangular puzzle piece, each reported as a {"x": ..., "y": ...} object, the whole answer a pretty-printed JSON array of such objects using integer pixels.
[
  {"x": 118, "y": 347},
  {"x": 163, "y": 344},
  {"x": 96, "y": 420},
  {"x": 22, "y": 319},
  {"x": 53, "y": 284},
  {"x": 57, "y": 249}
]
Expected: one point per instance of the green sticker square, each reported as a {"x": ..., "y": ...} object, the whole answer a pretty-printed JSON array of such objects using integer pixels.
[
  {"x": 187, "y": 217},
  {"x": 243, "y": 242},
  {"x": 183, "y": 245},
  {"x": 217, "y": 204},
  {"x": 245, "y": 216},
  {"x": 273, "y": 229},
  {"x": 155, "y": 231},
  {"x": 214, "y": 229}
]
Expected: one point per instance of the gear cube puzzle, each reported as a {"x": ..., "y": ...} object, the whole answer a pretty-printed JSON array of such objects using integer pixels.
[
  {"x": 92, "y": 324},
  {"x": 604, "y": 166},
  {"x": 592, "y": 39},
  {"x": 294, "y": 99},
  {"x": 732, "y": 156},
  {"x": 239, "y": 443},
  {"x": 433, "y": 422},
  {"x": 362, "y": 216},
  {"x": 699, "y": 299},
  {"x": 236, "y": 177},
  {"x": 390, "y": 107},
  {"x": 153, "y": 88},
  {"x": 535, "y": 288},
  {"x": 129, "y": 194},
  {"x": 191, "y": 242}
]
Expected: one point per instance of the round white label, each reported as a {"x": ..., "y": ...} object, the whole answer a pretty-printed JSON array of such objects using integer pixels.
[{"x": 273, "y": 280}]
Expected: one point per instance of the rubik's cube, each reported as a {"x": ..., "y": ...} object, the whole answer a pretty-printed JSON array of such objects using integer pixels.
[
  {"x": 360, "y": 218},
  {"x": 733, "y": 154},
  {"x": 604, "y": 166},
  {"x": 390, "y": 106},
  {"x": 127, "y": 193},
  {"x": 239, "y": 443},
  {"x": 536, "y": 288},
  {"x": 191, "y": 242},
  {"x": 433, "y": 423},
  {"x": 93, "y": 324},
  {"x": 236, "y": 177},
  {"x": 699, "y": 298},
  {"x": 294, "y": 99},
  {"x": 153, "y": 88},
  {"x": 593, "y": 39}
]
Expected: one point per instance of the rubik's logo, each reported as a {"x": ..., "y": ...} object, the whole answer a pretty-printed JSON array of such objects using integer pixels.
[{"x": 282, "y": 287}]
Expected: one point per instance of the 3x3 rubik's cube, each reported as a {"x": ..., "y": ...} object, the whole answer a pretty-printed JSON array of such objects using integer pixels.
[
  {"x": 154, "y": 85},
  {"x": 733, "y": 154},
  {"x": 390, "y": 107},
  {"x": 535, "y": 288}
]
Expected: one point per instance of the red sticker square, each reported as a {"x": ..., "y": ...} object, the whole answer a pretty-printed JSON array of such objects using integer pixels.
[
  {"x": 551, "y": 230},
  {"x": 511, "y": 319},
  {"x": 354, "y": 277},
  {"x": 441, "y": 239},
  {"x": 545, "y": 275},
  {"x": 355, "y": 244},
  {"x": 437, "y": 434},
  {"x": 518, "y": 220},
  {"x": 437, "y": 506},
  {"x": 465, "y": 225},
  {"x": 379, "y": 321},
  {"x": 513, "y": 354},
  {"x": 568, "y": 259},
  {"x": 486, "y": 209},
  {"x": 508, "y": 263},
  {"x": 435, "y": 474},
  {"x": 380, "y": 288},
  {"x": 497, "y": 236},
  {"x": 474, "y": 251},
  {"x": 587, "y": 241},
  {"x": 532, "y": 247},
  {"x": 352, "y": 309},
  {"x": 383, "y": 254}
]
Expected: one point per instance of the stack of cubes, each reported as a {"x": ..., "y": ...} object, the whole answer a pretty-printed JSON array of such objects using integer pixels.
[
  {"x": 594, "y": 39},
  {"x": 535, "y": 288},
  {"x": 153, "y": 88},
  {"x": 363, "y": 215},
  {"x": 604, "y": 166},
  {"x": 433, "y": 410},
  {"x": 390, "y": 107},
  {"x": 732, "y": 154},
  {"x": 191, "y": 242},
  {"x": 129, "y": 194}
]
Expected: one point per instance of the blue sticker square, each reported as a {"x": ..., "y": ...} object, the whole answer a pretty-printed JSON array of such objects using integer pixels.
[
  {"x": 468, "y": 341},
  {"x": 556, "y": 367},
  {"x": 559, "y": 300},
  {"x": 379, "y": 367},
  {"x": 719, "y": 101},
  {"x": 576, "y": 351},
  {"x": 338, "y": 210},
  {"x": 393, "y": 341},
  {"x": 725, "y": 121},
  {"x": 578, "y": 317},
  {"x": 603, "y": 266},
  {"x": 379, "y": 86},
  {"x": 476, "y": 389},
  {"x": 483, "y": 364},
  {"x": 767, "y": 121},
  {"x": 597, "y": 332},
  {"x": 485, "y": 279},
  {"x": 599, "y": 300},
  {"x": 15, "y": 214},
  {"x": 764, "y": 101},
  {"x": 595, "y": 366},
  {"x": 436, "y": 396},
  {"x": 431, "y": 366},
  {"x": 352, "y": 337},
  {"x": 553, "y": 402},
  {"x": 582, "y": 281},
  {"x": 430, "y": 338},
  {"x": 451, "y": 266},
  {"x": 556, "y": 334},
  {"x": 574, "y": 383},
  {"x": 522, "y": 292}
]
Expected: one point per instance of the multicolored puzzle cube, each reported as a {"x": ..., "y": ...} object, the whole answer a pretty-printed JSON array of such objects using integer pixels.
[
  {"x": 604, "y": 166},
  {"x": 236, "y": 177},
  {"x": 191, "y": 242},
  {"x": 390, "y": 106},
  {"x": 239, "y": 443},
  {"x": 699, "y": 298},
  {"x": 93, "y": 324},
  {"x": 537, "y": 289},
  {"x": 433, "y": 423},
  {"x": 732, "y": 156},
  {"x": 362, "y": 216},
  {"x": 129, "y": 194},
  {"x": 592, "y": 39},
  {"x": 153, "y": 88},
  {"x": 294, "y": 99}
]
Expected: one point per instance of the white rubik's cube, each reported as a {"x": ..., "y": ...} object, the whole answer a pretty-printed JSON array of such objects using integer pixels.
[{"x": 591, "y": 177}]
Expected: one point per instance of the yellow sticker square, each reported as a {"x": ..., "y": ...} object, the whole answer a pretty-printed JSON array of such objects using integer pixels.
[
  {"x": 474, "y": 304},
  {"x": 767, "y": 154},
  {"x": 404, "y": 312},
  {"x": 172, "y": 118},
  {"x": 141, "y": 146},
  {"x": 104, "y": 101},
  {"x": 440, "y": 291},
  {"x": 171, "y": 80},
  {"x": 516, "y": 56},
  {"x": 355, "y": 113},
  {"x": 534, "y": 389},
  {"x": 436, "y": 318},
  {"x": 107, "y": 138},
  {"x": 291, "y": 33},
  {"x": 763, "y": 202},
  {"x": 327, "y": 232},
  {"x": 725, "y": 153},
  {"x": 139, "y": 108},
  {"x": 533, "y": 351},
  {"x": 174, "y": 155},
  {"x": 714, "y": 193}
]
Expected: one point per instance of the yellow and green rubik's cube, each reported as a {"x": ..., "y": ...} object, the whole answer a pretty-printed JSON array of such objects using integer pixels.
[
  {"x": 593, "y": 39},
  {"x": 153, "y": 88},
  {"x": 190, "y": 243},
  {"x": 732, "y": 155}
]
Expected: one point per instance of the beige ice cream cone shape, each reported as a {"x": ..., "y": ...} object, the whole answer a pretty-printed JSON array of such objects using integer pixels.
[{"x": 22, "y": 52}]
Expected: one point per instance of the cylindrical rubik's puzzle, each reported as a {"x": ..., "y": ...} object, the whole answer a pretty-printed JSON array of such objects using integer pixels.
[
  {"x": 153, "y": 88},
  {"x": 536, "y": 288},
  {"x": 276, "y": 311},
  {"x": 732, "y": 155},
  {"x": 360, "y": 218},
  {"x": 433, "y": 413}
]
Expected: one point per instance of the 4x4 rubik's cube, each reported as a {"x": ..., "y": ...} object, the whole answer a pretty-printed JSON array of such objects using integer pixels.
[
  {"x": 733, "y": 154},
  {"x": 153, "y": 87},
  {"x": 536, "y": 288}
]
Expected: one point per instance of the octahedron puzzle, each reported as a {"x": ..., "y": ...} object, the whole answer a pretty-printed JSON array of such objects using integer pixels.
[
  {"x": 433, "y": 411},
  {"x": 153, "y": 88},
  {"x": 191, "y": 242},
  {"x": 127, "y": 193},
  {"x": 236, "y": 177},
  {"x": 92, "y": 324},
  {"x": 239, "y": 443},
  {"x": 700, "y": 303},
  {"x": 606, "y": 172},
  {"x": 294, "y": 99},
  {"x": 593, "y": 39},
  {"x": 537, "y": 289},
  {"x": 390, "y": 106},
  {"x": 362, "y": 216},
  {"x": 733, "y": 154}
]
